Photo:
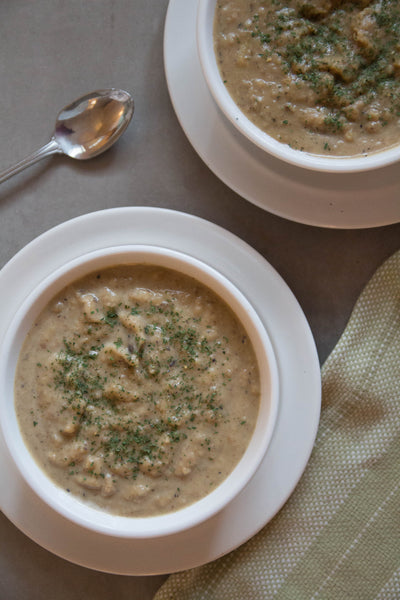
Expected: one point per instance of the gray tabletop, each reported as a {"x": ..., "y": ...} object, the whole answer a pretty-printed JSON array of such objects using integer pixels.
[{"x": 53, "y": 51}]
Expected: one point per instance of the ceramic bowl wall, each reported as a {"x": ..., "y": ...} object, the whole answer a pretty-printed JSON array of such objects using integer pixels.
[
  {"x": 205, "y": 45},
  {"x": 71, "y": 507}
]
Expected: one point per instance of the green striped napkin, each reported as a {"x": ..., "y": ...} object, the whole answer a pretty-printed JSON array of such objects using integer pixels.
[{"x": 338, "y": 537}]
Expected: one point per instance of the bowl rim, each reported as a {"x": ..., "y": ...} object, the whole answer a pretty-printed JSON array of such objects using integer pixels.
[
  {"x": 55, "y": 496},
  {"x": 299, "y": 158}
]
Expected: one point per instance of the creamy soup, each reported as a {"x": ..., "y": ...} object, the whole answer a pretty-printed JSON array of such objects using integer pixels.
[
  {"x": 320, "y": 75},
  {"x": 137, "y": 389}
]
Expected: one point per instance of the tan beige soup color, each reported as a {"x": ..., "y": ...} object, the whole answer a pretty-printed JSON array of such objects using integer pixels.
[
  {"x": 137, "y": 390},
  {"x": 319, "y": 75}
]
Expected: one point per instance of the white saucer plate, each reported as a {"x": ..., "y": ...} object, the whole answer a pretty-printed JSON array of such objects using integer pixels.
[
  {"x": 300, "y": 393},
  {"x": 348, "y": 200}
]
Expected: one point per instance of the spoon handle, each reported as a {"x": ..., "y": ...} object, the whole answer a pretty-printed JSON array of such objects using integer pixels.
[{"x": 51, "y": 148}]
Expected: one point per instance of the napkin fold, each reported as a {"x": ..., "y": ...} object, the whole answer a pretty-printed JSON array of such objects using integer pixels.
[{"x": 338, "y": 536}]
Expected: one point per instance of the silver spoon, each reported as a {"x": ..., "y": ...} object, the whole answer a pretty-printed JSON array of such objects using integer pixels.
[{"x": 85, "y": 128}]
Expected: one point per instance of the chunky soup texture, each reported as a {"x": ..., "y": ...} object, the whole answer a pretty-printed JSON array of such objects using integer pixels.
[
  {"x": 320, "y": 75},
  {"x": 137, "y": 389}
]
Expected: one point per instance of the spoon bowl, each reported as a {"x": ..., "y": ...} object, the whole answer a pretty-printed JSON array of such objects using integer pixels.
[
  {"x": 92, "y": 124},
  {"x": 85, "y": 128}
]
